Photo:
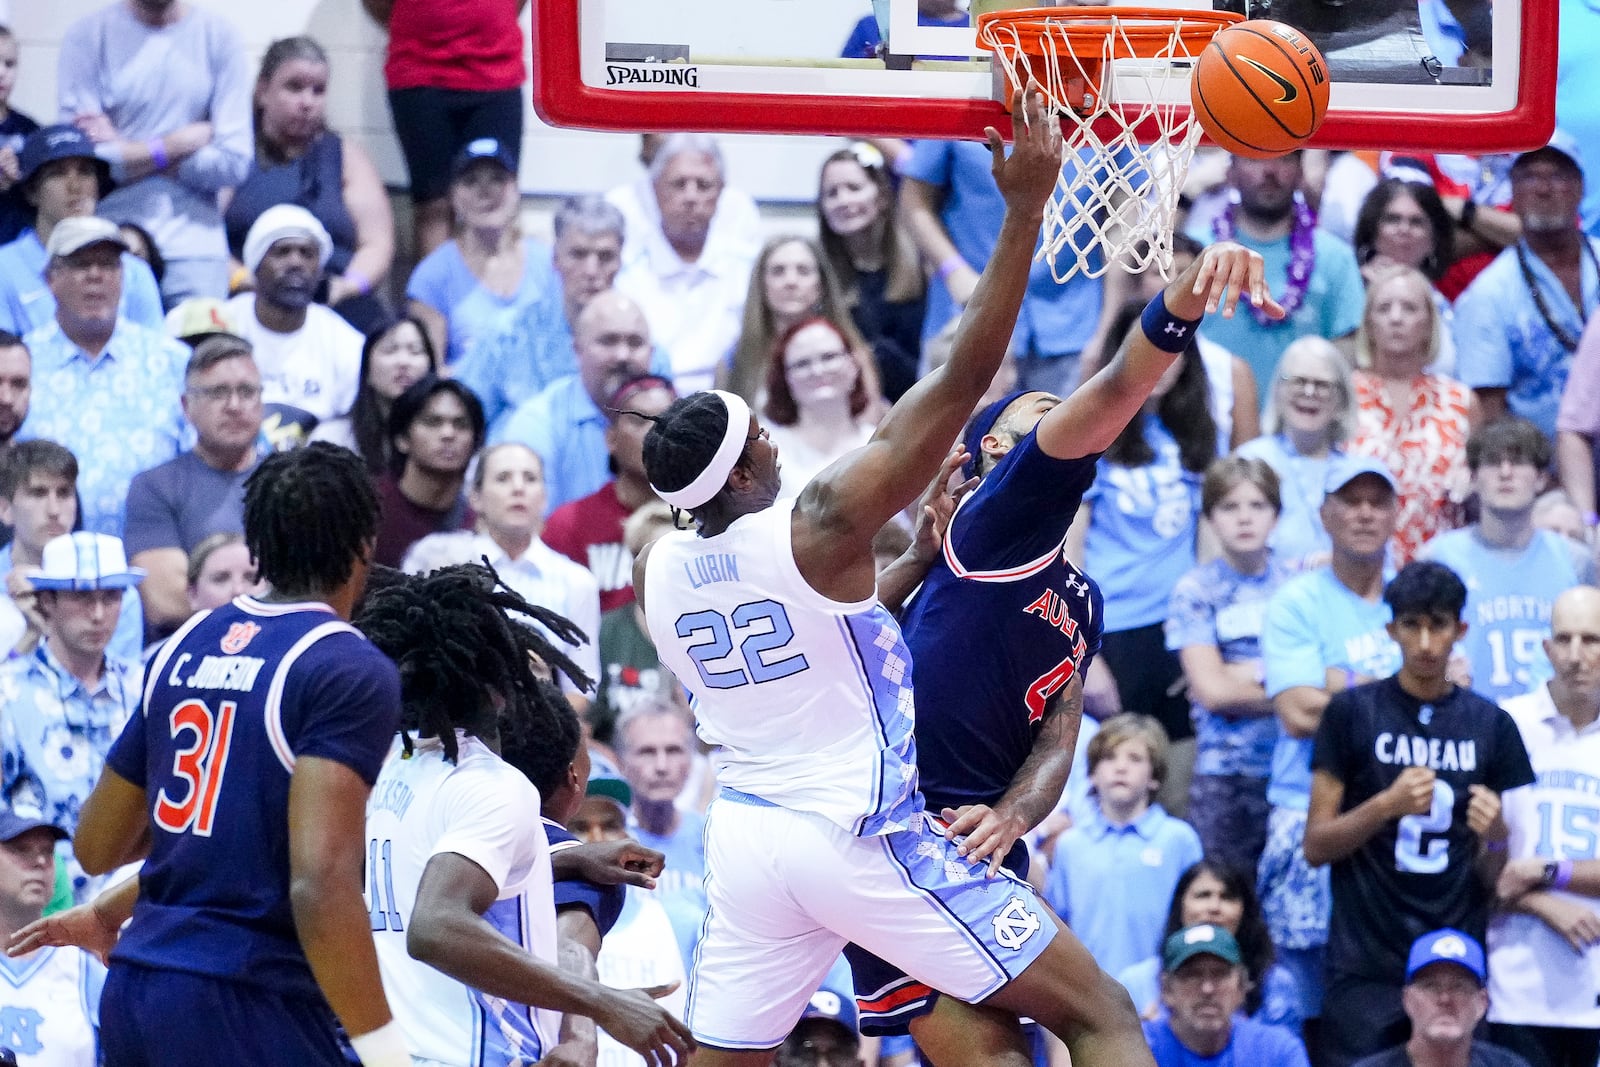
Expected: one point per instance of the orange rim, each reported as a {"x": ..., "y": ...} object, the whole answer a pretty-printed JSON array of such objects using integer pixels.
[{"x": 1148, "y": 30}]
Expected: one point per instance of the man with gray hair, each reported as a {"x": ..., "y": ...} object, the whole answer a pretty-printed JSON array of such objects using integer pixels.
[
  {"x": 531, "y": 346},
  {"x": 689, "y": 274},
  {"x": 103, "y": 386},
  {"x": 309, "y": 357}
]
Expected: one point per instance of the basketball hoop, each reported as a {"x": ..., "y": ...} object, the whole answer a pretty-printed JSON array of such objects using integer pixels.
[{"x": 1129, "y": 136}]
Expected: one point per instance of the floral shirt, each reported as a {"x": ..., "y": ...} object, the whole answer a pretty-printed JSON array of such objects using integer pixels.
[
  {"x": 1425, "y": 445},
  {"x": 119, "y": 413}
]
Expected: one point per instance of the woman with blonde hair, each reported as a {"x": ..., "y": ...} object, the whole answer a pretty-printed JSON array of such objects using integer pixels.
[
  {"x": 791, "y": 281},
  {"x": 1414, "y": 421}
]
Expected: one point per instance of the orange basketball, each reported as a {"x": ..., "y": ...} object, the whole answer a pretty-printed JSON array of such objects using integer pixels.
[{"x": 1260, "y": 89}]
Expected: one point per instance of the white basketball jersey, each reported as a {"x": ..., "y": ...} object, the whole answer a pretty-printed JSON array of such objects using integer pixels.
[
  {"x": 483, "y": 809},
  {"x": 806, "y": 700},
  {"x": 1535, "y": 979},
  {"x": 49, "y": 1007}
]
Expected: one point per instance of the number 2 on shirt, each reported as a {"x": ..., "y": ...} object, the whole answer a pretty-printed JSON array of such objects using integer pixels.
[
  {"x": 1410, "y": 855},
  {"x": 201, "y": 740}
]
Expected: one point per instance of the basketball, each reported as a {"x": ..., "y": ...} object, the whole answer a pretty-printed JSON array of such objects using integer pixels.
[{"x": 1259, "y": 89}]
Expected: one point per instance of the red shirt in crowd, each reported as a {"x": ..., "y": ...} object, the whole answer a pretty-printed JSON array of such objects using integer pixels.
[
  {"x": 472, "y": 45},
  {"x": 589, "y": 531}
]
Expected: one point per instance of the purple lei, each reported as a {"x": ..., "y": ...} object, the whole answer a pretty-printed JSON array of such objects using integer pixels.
[{"x": 1302, "y": 255}]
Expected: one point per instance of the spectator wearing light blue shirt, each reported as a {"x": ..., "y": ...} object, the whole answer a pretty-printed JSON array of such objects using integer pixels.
[
  {"x": 1112, "y": 878},
  {"x": 1308, "y": 419},
  {"x": 39, "y": 498},
  {"x": 1214, "y": 624},
  {"x": 1325, "y": 631},
  {"x": 60, "y": 176},
  {"x": 104, "y": 387},
  {"x": 1312, "y": 273},
  {"x": 563, "y": 423},
  {"x": 68, "y": 700},
  {"x": 1518, "y": 323},
  {"x": 488, "y": 267},
  {"x": 952, "y": 209},
  {"x": 528, "y": 347}
]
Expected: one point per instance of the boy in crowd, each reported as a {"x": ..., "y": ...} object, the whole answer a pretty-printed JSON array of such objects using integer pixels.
[{"x": 1113, "y": 877}]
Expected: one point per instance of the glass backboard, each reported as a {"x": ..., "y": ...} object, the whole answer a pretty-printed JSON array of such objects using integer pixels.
[{"x": 1436, "y": 75}]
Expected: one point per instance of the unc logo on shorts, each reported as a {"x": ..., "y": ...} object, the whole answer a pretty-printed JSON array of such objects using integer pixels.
[{"x": 1015, "y": 924}]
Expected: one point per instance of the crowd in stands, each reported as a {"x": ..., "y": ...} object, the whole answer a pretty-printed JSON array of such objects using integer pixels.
[{"x": 1396, "y": 482}]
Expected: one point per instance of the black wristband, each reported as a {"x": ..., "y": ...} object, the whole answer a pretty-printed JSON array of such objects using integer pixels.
[
  {"x": 1469, "y": 214},
  {"x": 1164, "y": 329}
]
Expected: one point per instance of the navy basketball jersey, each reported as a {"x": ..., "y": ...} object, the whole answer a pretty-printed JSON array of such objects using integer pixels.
[
  {"x": 230, "y": 703},
  {"x": 1000, "y": 626},
  {"x": 603, "y": 902}
]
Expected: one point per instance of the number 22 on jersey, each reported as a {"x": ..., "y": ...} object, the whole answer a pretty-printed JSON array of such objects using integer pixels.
[
  {"x": 201, "y": 740},
  {"x": 766, "y": 627}
]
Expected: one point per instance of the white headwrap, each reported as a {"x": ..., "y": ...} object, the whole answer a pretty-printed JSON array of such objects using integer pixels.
[
  {"x": 278, "y": 222},
  {"x": 711, "y": 480}
]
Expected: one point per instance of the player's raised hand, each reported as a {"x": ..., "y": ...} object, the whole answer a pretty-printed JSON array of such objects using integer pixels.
[
  {"x": 1028, "y": 177},
  {"x": 81, "y": 927},
  {"x": 1411, "y": 793},
  {"x": 988, "y": 834},
  {"x": 634, "y": 1018},
  {"x": 616, "y": 863},
  {"x": 938, "y": 504},
  {"x": 1484, "y": 817},
  {"x": 1221, "y": 274}
]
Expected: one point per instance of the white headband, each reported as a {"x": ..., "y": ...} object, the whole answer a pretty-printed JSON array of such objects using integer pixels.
[{"x": 715, "y": 476}]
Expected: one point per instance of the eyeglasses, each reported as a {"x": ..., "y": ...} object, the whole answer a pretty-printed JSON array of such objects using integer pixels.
[
  {"x": 1319, "y": 387},
  {"x": 759, "y": 435},
  {"x": 219, "y": 394},
  {"x": 1543, "y": 176}
]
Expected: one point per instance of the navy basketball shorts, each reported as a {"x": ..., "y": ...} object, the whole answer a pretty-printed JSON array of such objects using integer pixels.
[{"x": 157, "y": 1018}]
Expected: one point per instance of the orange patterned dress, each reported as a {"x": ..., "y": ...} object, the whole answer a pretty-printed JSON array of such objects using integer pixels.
[{"x": 1425, "y": 445}]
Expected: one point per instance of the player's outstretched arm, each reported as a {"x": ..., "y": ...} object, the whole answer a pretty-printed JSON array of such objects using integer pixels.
[
  {"x": 327, "y": 846},
  {"x": 449, "y": 933},
  {"x": 846, "y": 506},
  {"x": 93, "y": 926},
  {"x": 577, "y": 949},
  {"x": 1034, "y": 791},
  {"x": 1091, "y": 418},
  {"x": 113, "y": 827}
]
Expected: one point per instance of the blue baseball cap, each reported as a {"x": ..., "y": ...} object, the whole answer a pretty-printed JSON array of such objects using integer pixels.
[
  {"x": 489, "y": 148},
  {"x": 835, "y": 1006},
  {"x": 1447, "y": 946},
  {"x": 1342, "y": 470},
  {"x": 53, "y": 143},
  {"x": 14, "y": 822}
]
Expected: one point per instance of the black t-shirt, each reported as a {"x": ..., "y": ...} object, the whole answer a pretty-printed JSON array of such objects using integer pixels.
[
  {"x": 1483, "y": 1055},
  {"x": 1415, "y": 874}
]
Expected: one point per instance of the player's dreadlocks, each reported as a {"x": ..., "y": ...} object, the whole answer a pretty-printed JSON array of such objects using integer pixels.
[
  {"x": 309, "y": 515},
  {"x": 458, "y": 650},
  {"x": 683, "y": 439},
  {"x": 546, "y": 748}
]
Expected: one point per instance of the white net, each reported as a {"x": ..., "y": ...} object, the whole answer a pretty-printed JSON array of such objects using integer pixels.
[{"x": 1117, "y": 198}]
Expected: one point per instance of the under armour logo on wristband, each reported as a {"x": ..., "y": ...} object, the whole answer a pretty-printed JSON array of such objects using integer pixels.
[{"x": 1176, "y": 330}]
